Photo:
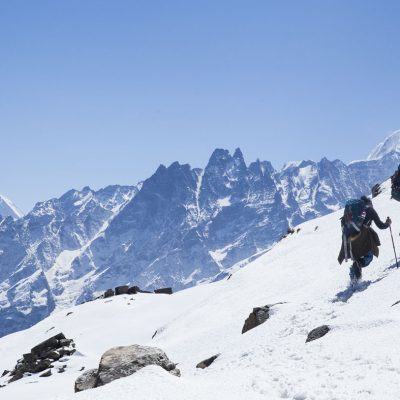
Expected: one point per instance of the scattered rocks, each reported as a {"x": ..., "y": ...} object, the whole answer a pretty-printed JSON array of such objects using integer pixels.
[
  {"x": 42, "y": 356},
  {"x": 318, "y": 333},
  {"x": 206, "y": 363},
  {"x": 163, "y": 291},
  {"x": 257, "y": 317},
  {"x": 120, "y": 362}
]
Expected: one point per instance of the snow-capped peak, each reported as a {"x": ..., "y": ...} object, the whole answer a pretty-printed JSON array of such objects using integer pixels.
[
  {"x": 389, "y": 145},
  {"x": 9, "y": 209}
]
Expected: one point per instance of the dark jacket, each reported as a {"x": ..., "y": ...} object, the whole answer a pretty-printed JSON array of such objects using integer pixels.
[
  {"x": 367, "y": 240},
  {"x": 372, "y": 215}
]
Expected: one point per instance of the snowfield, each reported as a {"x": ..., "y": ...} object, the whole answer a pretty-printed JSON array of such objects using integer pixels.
[{"x": 357, "y": 359}]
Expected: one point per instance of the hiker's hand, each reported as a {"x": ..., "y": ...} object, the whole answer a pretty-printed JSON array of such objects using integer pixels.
[{"x": 388, "y": 221}]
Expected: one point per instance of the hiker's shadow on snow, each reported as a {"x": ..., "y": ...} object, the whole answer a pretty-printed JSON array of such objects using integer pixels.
[{"x": 346, "y": 294}]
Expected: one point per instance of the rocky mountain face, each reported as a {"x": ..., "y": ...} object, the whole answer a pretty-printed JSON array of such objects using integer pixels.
[
  {"x": 9, "y": 209},
  {"x": 183, "y": 226},
  {"x": 31, "y": 275}
]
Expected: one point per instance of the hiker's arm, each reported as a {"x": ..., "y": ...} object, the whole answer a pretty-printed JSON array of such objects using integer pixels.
[{"x": 377, "y": 220}]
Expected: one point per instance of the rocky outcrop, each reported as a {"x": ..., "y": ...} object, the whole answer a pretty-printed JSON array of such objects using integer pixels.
[
  {"x": 121, "y": 290},
  {"x": 42, "y": 357},
  {"x": 318, "y": 333},
  {"x": 206, "y": 363},
  {"x": 257, "y": 317},
  {"x": 120, "y": 362}
]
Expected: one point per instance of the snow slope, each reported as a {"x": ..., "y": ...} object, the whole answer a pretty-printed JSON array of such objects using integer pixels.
[
  {"x": 9, "y": 209},
  {"x": 358, "y": 359}
]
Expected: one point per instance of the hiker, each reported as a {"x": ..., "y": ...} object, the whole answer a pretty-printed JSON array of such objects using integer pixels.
[
  {"x": 360, "y": 241},
  {"x": 395, "y": 178}
]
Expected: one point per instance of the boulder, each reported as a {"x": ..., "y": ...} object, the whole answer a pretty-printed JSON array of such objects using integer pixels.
[
  {"x": 108, "y": 293},
  {"x": 86, "y": 381},
  {"x": 121, "y": 290},
  {"x": 318, "y": 333},
  {"x": 167, "y": 290},
  {"x": 206, "y": 363},
  {"x": 257, "y": 317},
  {"x": 119, "y": 362}
]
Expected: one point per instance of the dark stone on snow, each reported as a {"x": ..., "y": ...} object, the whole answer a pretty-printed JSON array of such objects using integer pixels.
[
  {"x": 5, "y": 372},
  {"x": 376, "y": 190},
  {"x": 318, "y": 333},
  {"x": 121, "y": 290},
  {"x": 49, "y": 344},
  {"x": 206, "y": 363},
  {"x": 53, "y": 355},
  {"x": 42, "y": 356},
  {"x": 46, "y": 374},
  {"x": 62, "y": 369},
  {"x": 18, "y": 375},
  {"x": 167, "y": 290},
  {"x": 134, "y": 290},
  {"x": 30, "y": 358},
  {"x": 257, "y": 317},
  {"x": 108, "y": 293},
  {"x": 154, "y": 334},
  {"x": 71, "y": 312}
]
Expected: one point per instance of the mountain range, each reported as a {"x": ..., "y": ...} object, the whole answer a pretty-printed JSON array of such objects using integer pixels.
[{"x": 180, "y": 227}]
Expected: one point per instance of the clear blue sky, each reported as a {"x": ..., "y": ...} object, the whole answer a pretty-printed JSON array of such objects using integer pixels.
[{"x": 100, "y": 92}]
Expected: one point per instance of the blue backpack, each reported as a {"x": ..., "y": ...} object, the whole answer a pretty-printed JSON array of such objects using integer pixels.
[{"x": 353, "y": 217}]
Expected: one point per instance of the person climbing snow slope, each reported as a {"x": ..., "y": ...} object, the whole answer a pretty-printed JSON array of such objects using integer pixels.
[{"x": 360, "y": 242}]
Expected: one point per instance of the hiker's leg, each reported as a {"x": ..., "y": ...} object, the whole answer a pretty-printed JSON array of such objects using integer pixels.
[
  {"x": 366, "y": 260},
  {"x": 355, "y": 270}
]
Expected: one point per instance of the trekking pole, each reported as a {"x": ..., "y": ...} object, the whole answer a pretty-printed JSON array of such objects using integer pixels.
[{"x": 394, "y": 248}]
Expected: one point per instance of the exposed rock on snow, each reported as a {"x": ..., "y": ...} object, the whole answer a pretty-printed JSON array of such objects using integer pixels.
[
  {"x": 206, "y": 363},
  {"x": 123, "y": 361},
  {"x": 42, "y": 356},
  {"x": 257, "y": 317},
  {"x": 318, "y": 333},
  {"x": 121, "y": 290}
]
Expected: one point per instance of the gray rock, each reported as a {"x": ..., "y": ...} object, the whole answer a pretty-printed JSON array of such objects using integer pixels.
[
  {"x": 318, "y": 333},
  {"x": 256, "y": 318},
  {"x": 206, "y": 363},
  {"x": 86, "y": 381},
  {"x": 119, "y": 362},
  {"x": 5, "y": 372}
]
